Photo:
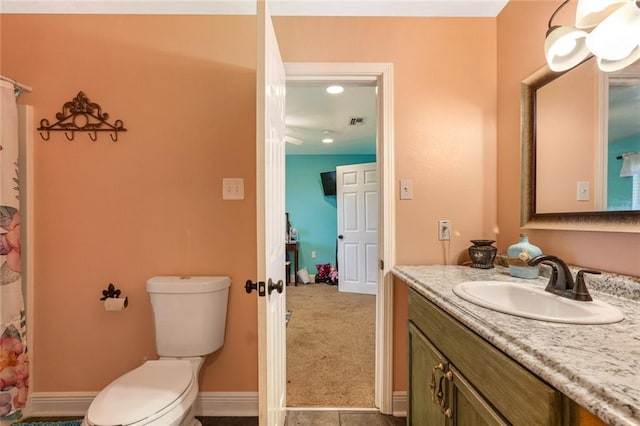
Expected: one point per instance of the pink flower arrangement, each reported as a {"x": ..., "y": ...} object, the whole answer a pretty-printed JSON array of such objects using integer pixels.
[
  {"x": 333, "y": 275},
  {"x": 326, "y": 273}
]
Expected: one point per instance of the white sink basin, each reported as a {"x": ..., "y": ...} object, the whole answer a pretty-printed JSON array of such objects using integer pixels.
[{"x": 526, "y": 300}]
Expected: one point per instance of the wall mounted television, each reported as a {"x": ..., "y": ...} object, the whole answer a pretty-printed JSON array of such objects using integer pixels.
[{"x": 328, "y": 182}]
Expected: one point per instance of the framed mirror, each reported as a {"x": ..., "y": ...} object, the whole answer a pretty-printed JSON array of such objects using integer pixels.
[{"x": 577, "y": 130}]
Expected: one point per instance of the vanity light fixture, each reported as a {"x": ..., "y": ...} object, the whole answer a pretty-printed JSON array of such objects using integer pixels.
[
  {"x": 335, "y": 90},
  {"x": 607, "y": 29}
]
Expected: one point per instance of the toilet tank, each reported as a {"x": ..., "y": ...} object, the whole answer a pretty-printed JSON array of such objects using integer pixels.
[{"x": 190, "y": 314}]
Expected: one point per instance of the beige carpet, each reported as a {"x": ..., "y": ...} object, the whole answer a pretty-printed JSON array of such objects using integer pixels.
[{"x": 330, "y": 347}]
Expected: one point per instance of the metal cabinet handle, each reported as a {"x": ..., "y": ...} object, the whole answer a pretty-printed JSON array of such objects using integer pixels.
[
  {"x": 437, "y": 396},
  {"x": 441, "y": 399},
  {"x": 432, "y": 385}
]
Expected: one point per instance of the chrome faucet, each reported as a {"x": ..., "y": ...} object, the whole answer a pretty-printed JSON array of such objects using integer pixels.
[{"x": 561, "y": 281}]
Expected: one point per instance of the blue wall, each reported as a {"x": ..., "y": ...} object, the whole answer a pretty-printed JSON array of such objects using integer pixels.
[
  {"x": 619, "y": 188},
  {"x": 310, "y": 212}
]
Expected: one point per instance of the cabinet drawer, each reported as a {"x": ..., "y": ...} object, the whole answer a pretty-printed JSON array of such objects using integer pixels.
[{"x": 518, "y": 395}]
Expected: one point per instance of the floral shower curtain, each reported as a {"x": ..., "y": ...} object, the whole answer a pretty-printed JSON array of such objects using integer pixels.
[{"x": 14, "y": 362}]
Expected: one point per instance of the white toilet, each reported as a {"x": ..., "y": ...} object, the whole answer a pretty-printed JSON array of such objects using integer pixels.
[{"x": 189, "y": 315}]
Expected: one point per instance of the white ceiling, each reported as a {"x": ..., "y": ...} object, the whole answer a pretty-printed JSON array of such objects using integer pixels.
[
  {"x": 624, "y": 111},
  {"x": 313, "y": 114},
  {"x": 466, "y": 8},
  {"x": 624, "y": 103}
]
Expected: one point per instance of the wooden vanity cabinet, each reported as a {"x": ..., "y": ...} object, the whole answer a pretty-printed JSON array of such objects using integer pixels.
[
  {"x": 478, "y": 384},
  {"x": 446, "y": 390}
]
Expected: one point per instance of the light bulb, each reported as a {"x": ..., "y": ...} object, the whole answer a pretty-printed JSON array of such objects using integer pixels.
[
  {"x": 564, "y": 47},
  {"x": 617, "y": 36}
]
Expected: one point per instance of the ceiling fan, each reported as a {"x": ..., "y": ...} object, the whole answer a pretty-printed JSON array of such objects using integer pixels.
[{"x": 292, "y": 140}]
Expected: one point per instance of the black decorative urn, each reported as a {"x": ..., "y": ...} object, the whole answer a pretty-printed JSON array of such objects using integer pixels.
[{"x": 482, "y": 254}]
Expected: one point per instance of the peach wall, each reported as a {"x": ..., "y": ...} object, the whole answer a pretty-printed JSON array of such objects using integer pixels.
[
  {"x": 444, "y": 116},
  {"x": 444, "y": 121},
  {"x": 116, "y": 212},
  {"x": 567, "y": 140},
  {"x": 149, "y": 204},
  {"x": 521, "y": 28}
]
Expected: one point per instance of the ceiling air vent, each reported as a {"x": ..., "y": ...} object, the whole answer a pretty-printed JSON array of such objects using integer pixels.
[{"x": 356, "y": 121}]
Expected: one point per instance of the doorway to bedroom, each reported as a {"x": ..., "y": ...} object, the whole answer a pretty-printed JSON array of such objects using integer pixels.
[{"x": 330, "y": 334}]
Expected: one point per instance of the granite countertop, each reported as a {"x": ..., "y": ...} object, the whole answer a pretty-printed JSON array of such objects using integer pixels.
[{"x": 598, "y": 366}]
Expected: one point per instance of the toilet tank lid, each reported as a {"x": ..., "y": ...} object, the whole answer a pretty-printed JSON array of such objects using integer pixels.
[{"x": 175, "y": 284}]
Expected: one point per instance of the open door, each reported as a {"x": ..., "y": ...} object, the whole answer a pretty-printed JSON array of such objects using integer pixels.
[{"x": 271, "y": 82}]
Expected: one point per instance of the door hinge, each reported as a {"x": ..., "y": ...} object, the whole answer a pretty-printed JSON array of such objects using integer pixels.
[{"x": 381, "y": 264}]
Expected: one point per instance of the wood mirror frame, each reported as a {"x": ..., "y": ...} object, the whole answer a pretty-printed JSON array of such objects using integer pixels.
[{"x": 604, "y": 221}]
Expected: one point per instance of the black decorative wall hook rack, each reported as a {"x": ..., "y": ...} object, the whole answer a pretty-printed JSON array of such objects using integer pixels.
[{"x": 80, "y": 114}]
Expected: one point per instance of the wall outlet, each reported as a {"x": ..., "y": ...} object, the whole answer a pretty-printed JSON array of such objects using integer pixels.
[
  {"x": 313, "y": 254},
  {"x": 444, "y": 230},
  {"x": 233, "y": 189}
]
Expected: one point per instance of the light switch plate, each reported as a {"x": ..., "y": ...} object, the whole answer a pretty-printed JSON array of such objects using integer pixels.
[
  {"x": 583, "y": 191},
  {"x": 233, "y": 189},
  {"x": 406, "y": 189}
]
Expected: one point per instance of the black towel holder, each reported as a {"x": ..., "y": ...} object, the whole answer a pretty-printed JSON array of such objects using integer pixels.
[{"x": 80, "y": 114}]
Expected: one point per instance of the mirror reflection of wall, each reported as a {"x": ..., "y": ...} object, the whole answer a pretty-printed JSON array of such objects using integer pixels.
[
  {"x": 586, "y": 121},
  {"x": 623, "y": 158},
  {"x": 567, "y": 146}
]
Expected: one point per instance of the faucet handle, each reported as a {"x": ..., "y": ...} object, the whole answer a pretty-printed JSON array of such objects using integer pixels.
[
  {"x": 580, "y": 291},
  {"x": 553, "y": 278}
]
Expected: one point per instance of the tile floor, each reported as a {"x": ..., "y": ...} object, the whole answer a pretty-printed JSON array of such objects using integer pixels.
[
  {"x": 342, "y": 418},
  {"x": 315, "y": 418}
]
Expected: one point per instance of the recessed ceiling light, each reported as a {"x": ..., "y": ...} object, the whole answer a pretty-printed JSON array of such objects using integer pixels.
[
  {"x": 327, "y": 140},
  {"x": 335, "y": 90}
]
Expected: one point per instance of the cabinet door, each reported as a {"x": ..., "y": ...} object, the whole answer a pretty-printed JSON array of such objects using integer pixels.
[
  {"x": 424, "y": 361},
  {"x": 469, "y": 408},
  {"x": 519, "y": 396}
]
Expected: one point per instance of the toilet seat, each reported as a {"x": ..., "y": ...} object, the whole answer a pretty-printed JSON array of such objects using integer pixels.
[{"x": 143, "y": 393}]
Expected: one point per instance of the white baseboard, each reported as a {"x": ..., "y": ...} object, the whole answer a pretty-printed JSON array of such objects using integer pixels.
[
  {"x": 399, "y": 404},
  {"x": 215, "y": 404},
  {"x": 51, "y": 404},
  {"x": 227, "y": 404}
]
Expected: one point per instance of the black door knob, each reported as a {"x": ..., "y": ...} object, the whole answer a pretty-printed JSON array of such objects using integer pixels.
[
  {"x": 275, "y": 286},
  {"x": 340, "y": 236},
  {"x": 249, "y": 286}
]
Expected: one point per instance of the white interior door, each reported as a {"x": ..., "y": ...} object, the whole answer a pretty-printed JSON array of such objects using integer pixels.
[
  {"x": 271, "y": 82},
  {"x": 357, "y": 202}
]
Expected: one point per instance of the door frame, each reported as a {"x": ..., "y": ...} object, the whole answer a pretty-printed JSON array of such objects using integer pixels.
[{"x": 382, "y": 74}]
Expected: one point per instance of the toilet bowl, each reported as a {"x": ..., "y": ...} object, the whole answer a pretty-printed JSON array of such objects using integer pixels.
[
  {"x": 158, "y": 392},
  {"x": 190, "y": 317}
]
